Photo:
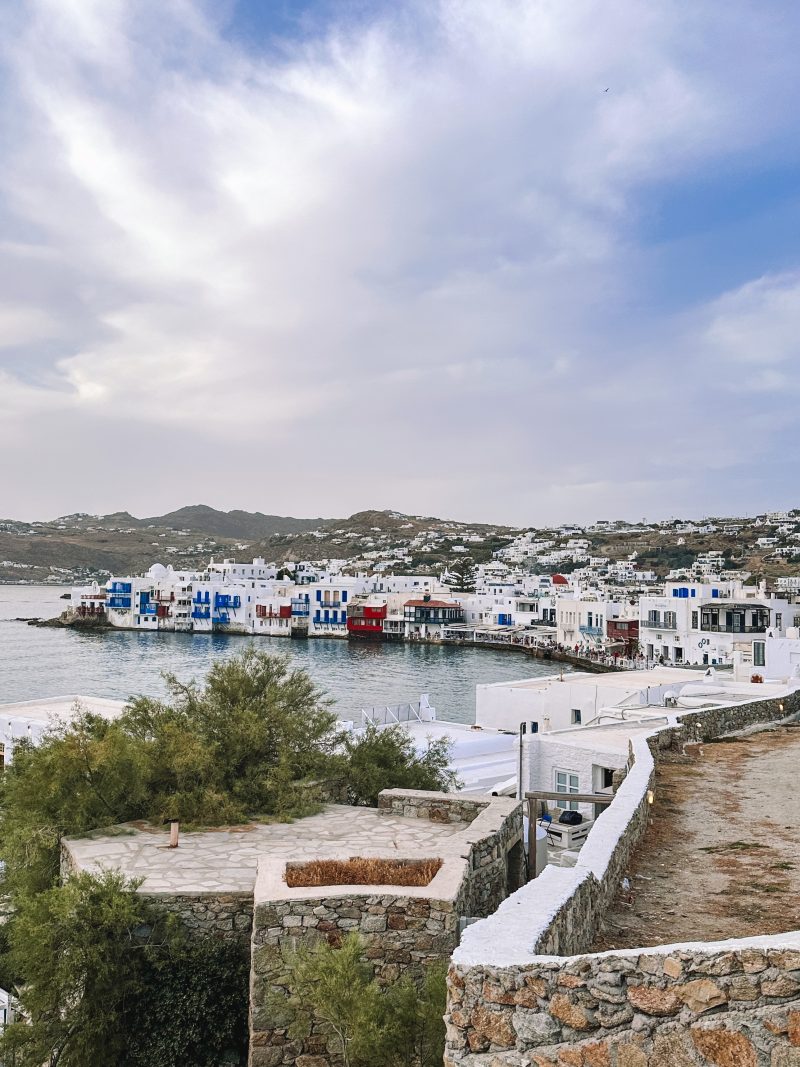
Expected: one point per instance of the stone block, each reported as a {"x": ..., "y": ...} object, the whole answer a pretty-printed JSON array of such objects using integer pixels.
[
  {"x": 673, "y": 967},
  {"x": 724, "y": 1048},
  {"x": 564, "y": 1009},
  {"x": 496, "y": 994},
  {"x": 653, "y": 1001},
  {"x": 782, "y": 986},
  {"x": 671, "y": 1050},
  {"x": 700, "y": 995},
  {"x": 597, "y": 1054},
  {"x": 570, "y": 1057},
  {"x": 743, "y": 988},
  {"x": 495, "y": 1026},
  {"x": 793, "y": 1027},
  {"x": 535, "y": 1027},
  {"x": 266, "y": 1057},
  {"x": 373, "y": 924},
  {"x": 630, "y": 1056}
]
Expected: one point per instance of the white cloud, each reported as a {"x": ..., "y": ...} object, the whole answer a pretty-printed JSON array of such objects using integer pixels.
[{"x": 424, "y": 225}]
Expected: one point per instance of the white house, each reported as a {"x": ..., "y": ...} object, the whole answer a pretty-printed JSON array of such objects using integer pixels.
[
  {"x": 30, "y": 719},
  {"x": 705, "y": 623}
]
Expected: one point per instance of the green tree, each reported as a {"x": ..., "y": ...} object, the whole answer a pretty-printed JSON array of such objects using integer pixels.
[
  {"x": 462, "y": 574},
  {"x": 238, "y": 745},
  {"x": 399, "y": 1025},
  {"x": 80, "y": 949},
  {"x": 227, "y": 748},
  {"x": 385, "y": 758},
  {"x": 103, "y": 977}
]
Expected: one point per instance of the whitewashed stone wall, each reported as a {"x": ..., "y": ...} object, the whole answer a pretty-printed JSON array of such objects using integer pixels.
[{"x": 522, "y": 991}]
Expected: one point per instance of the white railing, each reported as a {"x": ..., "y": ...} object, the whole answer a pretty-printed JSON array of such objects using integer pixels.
[{"x": 392, "y": 714}]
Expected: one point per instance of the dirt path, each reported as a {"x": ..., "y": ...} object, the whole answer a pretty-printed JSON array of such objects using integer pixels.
[{"x": 721, "y": 856}]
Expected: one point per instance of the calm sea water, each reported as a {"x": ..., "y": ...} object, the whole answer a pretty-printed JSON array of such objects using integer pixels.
[{"x": 37, "y": 663}]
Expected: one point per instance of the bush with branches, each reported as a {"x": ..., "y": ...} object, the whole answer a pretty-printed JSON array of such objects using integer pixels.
[
  {"x": 367, "y": 1024},
  {"x": 101, "y": 976}
]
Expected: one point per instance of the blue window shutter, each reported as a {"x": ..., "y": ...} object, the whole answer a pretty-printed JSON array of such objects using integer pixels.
[{"x": 344, "y": 596}]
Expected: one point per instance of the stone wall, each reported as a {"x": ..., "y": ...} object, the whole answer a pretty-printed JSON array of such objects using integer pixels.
[
  {"x": 403, "y": 928},
  {"x": 732, "y": 1005},
  {"x": 223, "y": 915},
  {"x": 438, "y": 807},
  {"x": 400, "y": 935},
  {"x": 506, "y": 992}
]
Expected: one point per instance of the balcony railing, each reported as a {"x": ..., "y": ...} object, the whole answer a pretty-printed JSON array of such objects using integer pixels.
[
  {"x": 592, "y": 631},
  {"x": 656, "y": 624},
  {"x": 721, "y": 628}
]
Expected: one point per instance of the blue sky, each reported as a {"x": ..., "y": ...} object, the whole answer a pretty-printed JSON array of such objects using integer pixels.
[{"x": 317, "y": 257}]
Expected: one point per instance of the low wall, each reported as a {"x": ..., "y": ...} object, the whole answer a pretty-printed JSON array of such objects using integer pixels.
[
  {"x": 438, "y": 807},
  {"x": 733, "y": 1004},
  {"x": 506, "y": 991},
  {"x": 403, "y": 928},
  {"x": 224, "y": 915}
]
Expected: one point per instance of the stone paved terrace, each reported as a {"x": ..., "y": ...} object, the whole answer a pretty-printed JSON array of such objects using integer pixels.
[{"x": 226, "y": 860}]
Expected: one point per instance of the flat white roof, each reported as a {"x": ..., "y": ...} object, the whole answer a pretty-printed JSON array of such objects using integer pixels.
[
  {"x": 612, "y": 738},
  {"x": 610, "y": 679},
  {"x": 60, "y": 707}
]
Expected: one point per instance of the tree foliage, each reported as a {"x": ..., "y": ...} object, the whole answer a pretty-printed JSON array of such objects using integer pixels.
[
  {"x": 386, "y": 759},
  {"x": 106, "y": 978},
  {"x": 461, "y": 574},
  {"x": 103, "y": 977},
  {"x": 216, "y": 753},
  {"x": 399, "y": 1025}
]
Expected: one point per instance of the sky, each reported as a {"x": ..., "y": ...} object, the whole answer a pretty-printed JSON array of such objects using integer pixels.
[{"x": 524, "y": 262}]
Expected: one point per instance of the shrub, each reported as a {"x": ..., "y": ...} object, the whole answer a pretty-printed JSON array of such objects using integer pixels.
[
  {"x": 106, "y": 978},
  {"x": 368, "y": 1024},
  {"x": 386, "y": 759},
  {"x": 362, "y": 871}
]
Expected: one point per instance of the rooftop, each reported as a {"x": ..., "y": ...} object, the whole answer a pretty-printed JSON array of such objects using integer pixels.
[
  {"x": 61, "y": 707},
  {"x": 226, "y": 860}
]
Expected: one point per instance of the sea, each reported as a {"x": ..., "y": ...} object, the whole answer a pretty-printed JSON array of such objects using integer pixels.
[{"x": 44, "y": 662}]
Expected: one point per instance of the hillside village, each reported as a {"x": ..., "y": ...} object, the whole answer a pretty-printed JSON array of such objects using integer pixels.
[
  {"x": 82, "y": 547},
  {"x": 565, "y": 591}
]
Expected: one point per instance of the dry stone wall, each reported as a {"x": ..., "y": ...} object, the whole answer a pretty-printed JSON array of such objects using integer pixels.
[
  {"x": 513, "y": 1003},
  {"x": 403, "y": 929},
  {"x": 735, "y": 1006},
  {"x": 437, "y": 807},
  {"x": 223, "y": 915}
]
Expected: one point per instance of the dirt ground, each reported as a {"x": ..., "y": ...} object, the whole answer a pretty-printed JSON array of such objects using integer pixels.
[{"x": 721, "y": 856}]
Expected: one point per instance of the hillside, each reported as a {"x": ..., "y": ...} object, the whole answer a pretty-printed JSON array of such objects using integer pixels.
[
  {"x": 79, "y": 547},
  {"x": 244, "y": 525}
]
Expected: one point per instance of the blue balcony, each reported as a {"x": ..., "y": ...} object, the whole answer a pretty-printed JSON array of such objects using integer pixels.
[
  {"x": 119, "y": 587},
  {"x": 201, "y": 613},
  {"x": 202, "y": 598},
  {"x": 118, "y": 602},
  {"x": 591, "y": 631},
  {"x": 222, "y": 618},
  {"x": 227, "y": 600},
  {"x": 300, "y": 609},
  {"x": 148, "y": 609}
]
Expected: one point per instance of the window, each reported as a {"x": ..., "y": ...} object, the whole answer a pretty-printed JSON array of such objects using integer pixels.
[
  {"x": 576, "y": 716},
  {"x": 758, "y": 654},
  {"x": 779, "y": 620},
  {"x": 694, "y": 620},
  {"x": 567, "y": 782}
]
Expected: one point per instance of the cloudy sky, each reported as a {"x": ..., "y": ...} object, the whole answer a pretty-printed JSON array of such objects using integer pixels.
[{"x": 514, "y": 260}]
